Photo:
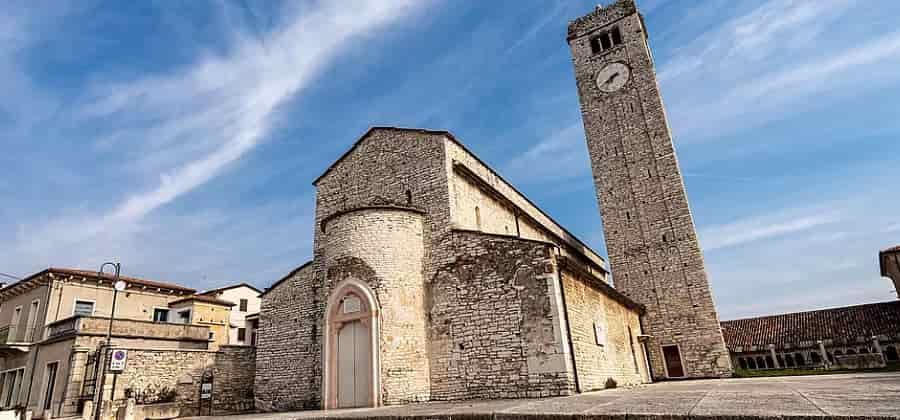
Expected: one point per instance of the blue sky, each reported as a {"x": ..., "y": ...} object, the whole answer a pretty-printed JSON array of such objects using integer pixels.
[{"x": 182, "y": 137}]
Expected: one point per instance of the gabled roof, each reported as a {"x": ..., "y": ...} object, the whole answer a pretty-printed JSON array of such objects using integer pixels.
[
  {"x": 233, "y": 286},
  {"x": 204, "y": 299},
  {"x": 382, "y": 128},
  {"x": 840, "y": 324},
  {"x": 448, "y": 135},
  {"x": 289, "y": 275},
  {"x": 93, "y": 275}
]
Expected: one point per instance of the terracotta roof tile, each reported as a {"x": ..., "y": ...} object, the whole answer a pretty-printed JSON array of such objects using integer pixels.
[
  {"x": 131, "y": 280},
  {"x": 203, "y": 298},
  {"x": 839, "y": 324}
]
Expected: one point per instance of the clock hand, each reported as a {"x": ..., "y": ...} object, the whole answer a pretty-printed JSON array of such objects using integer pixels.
[{"x": 611, "y": 78}]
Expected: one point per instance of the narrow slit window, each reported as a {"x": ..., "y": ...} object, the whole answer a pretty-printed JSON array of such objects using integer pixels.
[{"x": 477, "y": 218}]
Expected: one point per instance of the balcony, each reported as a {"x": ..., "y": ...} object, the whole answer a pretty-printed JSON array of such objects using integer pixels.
[
  {"x": 127, "y": 328},
  {"x": 12, "y": 340}
]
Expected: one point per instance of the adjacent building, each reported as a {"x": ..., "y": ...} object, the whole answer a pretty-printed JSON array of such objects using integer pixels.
[
  {"x": 53, "y": 322},
  {"x": 246, "y": 301},
  {"x": 817, "y": 339},
  {"x": 889, "y": 262},
  {"x": 857, "y": 336}
]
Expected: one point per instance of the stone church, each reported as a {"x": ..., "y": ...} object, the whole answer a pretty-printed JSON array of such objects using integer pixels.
[{"x": 433, "y": 278}]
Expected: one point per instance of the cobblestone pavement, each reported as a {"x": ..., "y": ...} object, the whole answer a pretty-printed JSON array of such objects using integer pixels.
[{"x": 870, "y": 396}]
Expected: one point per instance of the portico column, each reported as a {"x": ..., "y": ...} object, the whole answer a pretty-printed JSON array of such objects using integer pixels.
[
  {"x": 877, "y": 345},
  {"x": 774, "y": 357},
  {"x": 824, "y": 353}
]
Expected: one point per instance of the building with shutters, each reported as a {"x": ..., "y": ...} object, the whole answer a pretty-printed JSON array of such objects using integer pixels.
[{"x": 246, "y": 302}]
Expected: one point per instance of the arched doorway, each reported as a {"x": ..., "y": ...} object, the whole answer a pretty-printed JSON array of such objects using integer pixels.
[{"x": 351, "y": 347}]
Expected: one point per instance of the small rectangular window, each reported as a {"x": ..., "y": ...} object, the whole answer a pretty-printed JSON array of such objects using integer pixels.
[
  {"x": 84, "y": 308},
  {"x": 184, "y": 317},
  {"x": 160, "y": 315},
  {"x": 212, "y": 335},
  {"x": 242, "y": 334},
  {"x": 243, "y": 305}
]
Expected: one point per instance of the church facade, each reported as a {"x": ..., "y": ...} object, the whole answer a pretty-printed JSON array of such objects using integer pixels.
[{"x": 434, "y": 279}]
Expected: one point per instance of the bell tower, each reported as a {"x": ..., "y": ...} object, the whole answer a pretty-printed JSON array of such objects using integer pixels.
[{"x": 653, "y": 249}]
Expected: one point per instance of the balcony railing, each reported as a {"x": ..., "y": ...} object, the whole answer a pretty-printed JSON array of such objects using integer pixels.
[
  {"x": 11, "y": 334},
  {"x": 89, "y": 325}
]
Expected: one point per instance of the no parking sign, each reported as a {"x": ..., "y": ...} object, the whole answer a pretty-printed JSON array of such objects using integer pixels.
[{"x": 117, "y": 360}]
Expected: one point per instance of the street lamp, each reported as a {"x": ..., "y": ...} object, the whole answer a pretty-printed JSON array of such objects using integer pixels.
[{"x": 118, "y": 286}]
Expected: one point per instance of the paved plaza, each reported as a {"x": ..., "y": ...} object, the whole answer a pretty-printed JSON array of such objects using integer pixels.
[{"x": 873, "y": 395}]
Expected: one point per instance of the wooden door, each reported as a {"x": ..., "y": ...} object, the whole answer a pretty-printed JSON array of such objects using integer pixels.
[
  {"x": 674, "y": 369},
  {"x": 354, "y": 368}
]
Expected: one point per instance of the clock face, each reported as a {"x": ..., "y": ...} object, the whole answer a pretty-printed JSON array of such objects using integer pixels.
[{"x": 612, "y": 77}]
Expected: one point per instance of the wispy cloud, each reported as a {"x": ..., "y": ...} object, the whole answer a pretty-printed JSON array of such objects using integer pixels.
[
  {"x": 757, "y": 228},
  {"x": 754, "y": 67},
  {"x": 562, "y": 155},
  {"x": 186, "y": 126}
]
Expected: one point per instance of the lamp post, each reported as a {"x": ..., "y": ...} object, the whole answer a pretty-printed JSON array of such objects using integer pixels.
[{"x": 118, "y": 286}]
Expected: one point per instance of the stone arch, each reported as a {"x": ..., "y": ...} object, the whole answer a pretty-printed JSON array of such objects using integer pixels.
[
  {"x": 798, "y": 358},
  {"x": 789, "y": 360},
  {"x": 770, "y": 364},
  {"x": 742, "y": 363},
  {"x": 814, "y": 358},
  {"x": 780, "y": 360},
  {"x": 760, "y": 362},
  {"x": 751, "y": 363},
  {"x": 890, "y": 354},
  {"x": 340, "y": 311}
]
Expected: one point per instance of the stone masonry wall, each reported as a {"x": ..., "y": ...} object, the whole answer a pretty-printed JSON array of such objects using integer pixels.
[
  {"x": 495, "y": 327},
  {"x": 288, "y": 368},
  {"x": 384, "y": 249},
  {"x": 148, "y": 372},
  {"x": 653, "y": 249},
  {"x": 620, "y": 356},
  {"x": 234, "y": 370}
]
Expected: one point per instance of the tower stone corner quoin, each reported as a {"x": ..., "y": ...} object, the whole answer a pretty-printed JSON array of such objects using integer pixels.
[{"x": 654, "y": 253}]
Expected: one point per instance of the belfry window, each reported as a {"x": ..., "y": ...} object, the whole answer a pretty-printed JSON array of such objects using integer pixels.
[{"x": 606, "y": 40}]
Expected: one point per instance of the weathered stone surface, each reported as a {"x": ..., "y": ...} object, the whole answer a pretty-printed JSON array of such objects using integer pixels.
[
  {"x": 465, "y": 271},
  {"x": 620, "y": 357},
  {"x": 650, "y": 234},
  {"x": 864, "y": 396}
]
